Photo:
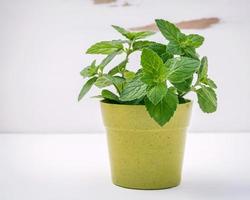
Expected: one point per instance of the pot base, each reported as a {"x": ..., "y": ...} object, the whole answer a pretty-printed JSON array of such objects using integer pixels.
[{"x": 146, "y": 188}]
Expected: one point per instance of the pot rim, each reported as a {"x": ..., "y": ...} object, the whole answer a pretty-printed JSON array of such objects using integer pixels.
[{"x": 116, "y": 104}]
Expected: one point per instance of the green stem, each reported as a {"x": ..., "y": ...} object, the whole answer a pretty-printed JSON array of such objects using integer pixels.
[
  {"x": 192, "y": 89},
  {"x": 128, "y": 52}
]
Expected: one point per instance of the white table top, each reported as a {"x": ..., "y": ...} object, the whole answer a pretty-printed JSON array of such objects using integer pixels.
[{"x": 75, "y": 167}]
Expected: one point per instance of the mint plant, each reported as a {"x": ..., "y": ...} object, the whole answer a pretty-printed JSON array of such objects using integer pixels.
[{"x": 167, "y": 72}]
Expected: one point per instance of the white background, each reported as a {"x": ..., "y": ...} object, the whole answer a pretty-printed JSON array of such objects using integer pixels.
[{"x": 42, "y": 46}]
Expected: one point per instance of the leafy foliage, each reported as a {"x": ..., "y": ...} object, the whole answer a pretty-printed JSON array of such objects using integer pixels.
[
  {"x": 132, "y": 35},
  {"x": 164, "y": 110},
  {"x": 181, "y": 68},
  {"x": 207, "y": 99},
  {"x": 105, "y": 47},
  {"x": 153, "y": 69},
  {"x": 90, "y": 70},
  {"x": 168, "y": 72},
  {"x": 134, "y": 89},
  {"x": 109, "y": 95},
  {"x": 157, "y": 93},
  {"x": 86, "y": 87}
]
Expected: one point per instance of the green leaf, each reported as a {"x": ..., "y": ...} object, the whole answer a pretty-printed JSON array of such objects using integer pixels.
[
  {"x": 121, "y": 30},
  {"x": 103, "y": 81},
  {"x": 119, "y": 68},
  {"x": 166, "y": 56},
  {"x": 164, "y": 110},
  {"x": 162, "y": 51},
  {"x": 108, "y": 59},
  {"x": 181, "y": 68},
  {"x": 158, "y": 48},
  {"x": 139, "y": 45},
  {"x": 179, "y": 43},
  {"x": 132, "y": 35},
  {"x": 141, "y": 35},
  {"x": 178, "y": 48},
  {"x": 157, "y": 93},
  {"x": 107, "y": 80},
  {"x": 97, "y": 97},
  {"x": 202, "y": 73},
  {"x": 118, "y": 82},
  {"x": 169, "y": 30},
  {"x": 105, "y": 47},
  {"x": 106, "y": 94},
  {"x": 129, "y": 75},
  {"x": 190, "y": 52},
  {"x": 175, "y": 48},
  {"x": 184, "y": 86},
  {"x": 194, "y": 40},
  {"x": 154, "y": 71},
  {"x": 86, "y": 87},
  {"x": 211, "y": 83},
  {"x": 90, "y": 70},
  {"x": 207, "y": 99},
  {"x": 135, "y": 89}
]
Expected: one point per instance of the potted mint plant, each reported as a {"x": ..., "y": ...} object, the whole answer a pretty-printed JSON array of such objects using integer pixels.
[{"x": 145, "y": 112}]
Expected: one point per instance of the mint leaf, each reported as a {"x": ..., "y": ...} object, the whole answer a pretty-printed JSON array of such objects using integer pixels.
[
  {"x": 141, "y": 35},
  {"x": 184, "y": 86},
  {"x": 194, "y": 40},
  {"x": 121, "y": 30},
  {"x": 132, "y": 35},
  {"x": 157, "y": 93},
  {"x": 211, "y": 83},
  {"x": 106, "y": 94},
  {"x": 154, "y": 71},
  {"x": 181, "y": 68},
  {"x": 182, "y": 49},
  {"x": 117, "y": 81},
  {"x": 86, "y": 87},
  {"x": 175, "y": 48},
  {"x": 135, "y": 89},
  {"x": 190, "y": 52},
  {"x": 139, "y": 45},
  {"x": 97, "y": 97},
  {"x": 105, "y": 47},
  {"x": 162, "y": 51},
  {"x": 202, "y": 73},
  {"x": 129, "y": 75},
  {"x": 179, "y": 43},
  {"x": 103, "y": 81},
  {"x": 169, "y": 30},
  {"x": 90, "y": 70},
  {"x": 119, "y": 68},
  {"x": 164, "y": 110},
  {"x": 207, "y": 99},
  {"x": 158, "y": 48},
  {"x": 165, "y": 56},
  {"x": 108, "y": 59},
  {"x": 107, "y": 80}
]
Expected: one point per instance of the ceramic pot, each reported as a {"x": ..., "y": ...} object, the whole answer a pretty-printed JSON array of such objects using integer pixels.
[{"x": 144, "y": 155}]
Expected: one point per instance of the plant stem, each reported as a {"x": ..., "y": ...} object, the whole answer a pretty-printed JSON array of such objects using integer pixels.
[
  {"x": 192, "y": 88},
  {"x": 128, "y": 52}
]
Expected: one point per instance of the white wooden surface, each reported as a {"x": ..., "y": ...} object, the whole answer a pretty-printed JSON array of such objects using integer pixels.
[{"x": 75, "y": 167}]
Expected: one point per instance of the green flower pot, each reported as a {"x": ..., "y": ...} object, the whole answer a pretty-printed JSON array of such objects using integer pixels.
[{"x": 144, "y": 155}]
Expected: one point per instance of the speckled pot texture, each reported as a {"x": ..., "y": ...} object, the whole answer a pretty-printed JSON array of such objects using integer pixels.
[{"x": 144, "y": 155}]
